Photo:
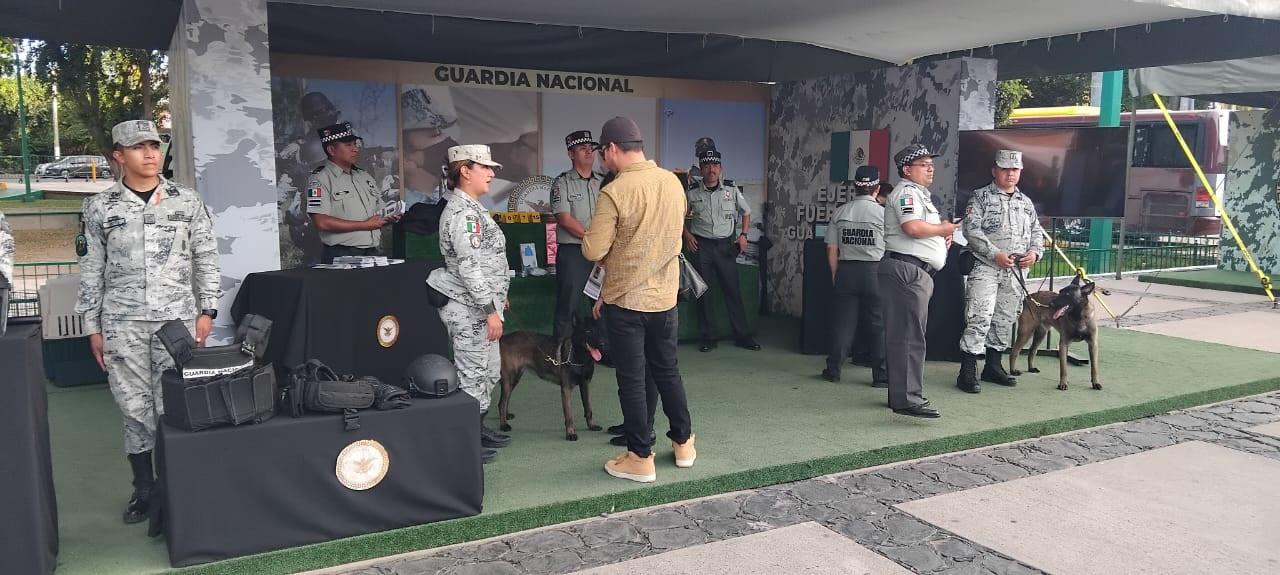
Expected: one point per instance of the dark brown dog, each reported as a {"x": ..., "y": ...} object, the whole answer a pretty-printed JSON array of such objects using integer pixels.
[
  {"x": 569, "y": 362},
  {"x": 1067, "y": 311}
]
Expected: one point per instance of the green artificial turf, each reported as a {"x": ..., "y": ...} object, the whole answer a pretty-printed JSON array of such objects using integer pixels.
[{"x": 761, "y": 418}]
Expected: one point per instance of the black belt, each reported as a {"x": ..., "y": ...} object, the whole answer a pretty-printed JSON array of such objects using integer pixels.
[{"x": 915, "y": 261}]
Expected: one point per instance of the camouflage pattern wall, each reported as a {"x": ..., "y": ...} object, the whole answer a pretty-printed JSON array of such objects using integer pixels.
[
  {"x": 220, "y": 79},
  {"x": 1253, "y": 190},
  {"x": 927, "y": 103}
]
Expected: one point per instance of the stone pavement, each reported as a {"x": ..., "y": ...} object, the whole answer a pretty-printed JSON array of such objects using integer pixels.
[{"x": 858, "y": 505}]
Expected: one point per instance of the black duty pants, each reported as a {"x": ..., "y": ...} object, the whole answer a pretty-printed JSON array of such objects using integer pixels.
[
  {"x": 717, "y": 262},
  {"x": 643, "y": 344},
  {"x": 571, "y": 276},
  {"x": 857, "y": 304}
]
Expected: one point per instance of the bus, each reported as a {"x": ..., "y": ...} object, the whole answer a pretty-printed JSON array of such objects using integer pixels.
[{"x": 1164, "y": 194}]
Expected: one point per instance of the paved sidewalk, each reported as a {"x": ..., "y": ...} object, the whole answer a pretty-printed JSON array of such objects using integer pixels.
[{"x": 857, "y": 505}]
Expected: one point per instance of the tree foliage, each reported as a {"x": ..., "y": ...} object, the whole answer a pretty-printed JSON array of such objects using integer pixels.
[
  {"x": 1009, "y": 97},
  {"x": 100, "y": 87}
]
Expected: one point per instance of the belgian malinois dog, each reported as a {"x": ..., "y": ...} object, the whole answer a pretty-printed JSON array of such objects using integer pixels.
[
  {"x": 569, "y": 362},
  {"x": 1067, "y": 311}
]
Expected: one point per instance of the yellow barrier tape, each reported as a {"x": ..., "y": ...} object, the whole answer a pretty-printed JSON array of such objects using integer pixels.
[
  {"x": 1263, "y": 278},
  {"x": 1079, "y": 271}
]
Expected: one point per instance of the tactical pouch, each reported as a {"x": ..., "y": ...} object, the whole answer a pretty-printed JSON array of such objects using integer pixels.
[
  {"x": 315, "y": 387},
  {"x": 435, "y": 298},
  {"x": 214, "y": 386}
]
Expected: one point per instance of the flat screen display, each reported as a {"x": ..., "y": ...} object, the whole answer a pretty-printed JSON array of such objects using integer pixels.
[{"x": 1067, "y": 172}]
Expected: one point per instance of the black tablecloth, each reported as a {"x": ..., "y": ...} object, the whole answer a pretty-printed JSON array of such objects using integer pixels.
[
  {"x": 333, "y": 316},
  {"x": 233, "y": 491},
  {"x": 946, "y": 307},
  {"x": 28, "y": 507}
]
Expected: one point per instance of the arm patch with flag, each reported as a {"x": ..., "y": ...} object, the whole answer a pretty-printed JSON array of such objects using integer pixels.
[
  {"x": 315, "y": 197},
  {"x": 907, "y": 204}
]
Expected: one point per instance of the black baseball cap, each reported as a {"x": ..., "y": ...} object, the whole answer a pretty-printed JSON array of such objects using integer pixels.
[{"x": 620, "y": 130}]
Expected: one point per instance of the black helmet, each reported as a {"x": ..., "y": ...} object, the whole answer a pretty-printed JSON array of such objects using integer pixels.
[{"x": 430, "y": 376}]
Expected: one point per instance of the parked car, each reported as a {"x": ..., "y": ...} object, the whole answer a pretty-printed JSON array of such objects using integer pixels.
[
  {"x": 79, "y": 167},
  {"x": 41, "y": 170}
]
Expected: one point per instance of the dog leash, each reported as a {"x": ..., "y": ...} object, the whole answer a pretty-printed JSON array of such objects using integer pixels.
[
  {"x": 1026, "y": 293},
  {"x": 556, "y": 361}
]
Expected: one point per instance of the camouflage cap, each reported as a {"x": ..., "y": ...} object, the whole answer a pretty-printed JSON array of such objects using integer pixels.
[
  {"x": 135, "y": 132},
  {"x": 420, "y": 111},
  {"x": 1009, "y": 159},
  {"x": 478, "y": 153},
  {"x": 703, "y": 144}
]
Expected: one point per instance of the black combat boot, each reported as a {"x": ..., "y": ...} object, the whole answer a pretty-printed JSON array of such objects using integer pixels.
[
  {"x": 968, "y": 378},
  {"x": 143, "y": 481},
  {"x": 994, "y": 371},
  {"x": 490, "y": 438}
]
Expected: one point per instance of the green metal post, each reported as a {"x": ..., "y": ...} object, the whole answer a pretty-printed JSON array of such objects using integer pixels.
[
  {"x": 1100, "y": 229},
  {"x": 22, "y": 130}
]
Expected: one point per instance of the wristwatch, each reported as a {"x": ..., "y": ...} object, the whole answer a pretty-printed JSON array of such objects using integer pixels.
[
  {"x": 489, "y": 308},
  {"x": 212, "y": 313}
]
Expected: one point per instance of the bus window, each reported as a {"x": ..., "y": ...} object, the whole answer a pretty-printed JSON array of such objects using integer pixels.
[{"x": 1154, "y": 145}]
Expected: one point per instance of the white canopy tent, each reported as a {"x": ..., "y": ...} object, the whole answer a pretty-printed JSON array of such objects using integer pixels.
[{"x": 894, "y": 31}]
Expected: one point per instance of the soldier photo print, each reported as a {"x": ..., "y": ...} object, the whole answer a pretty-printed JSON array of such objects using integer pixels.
[
  {"x": 300, "y": 108},
  {"x": 435, "y": 118}
]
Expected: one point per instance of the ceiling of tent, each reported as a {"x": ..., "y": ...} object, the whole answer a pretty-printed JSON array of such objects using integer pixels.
[
  {"x": 895, "y": 31},
  {"x": 743, "y": 40}
]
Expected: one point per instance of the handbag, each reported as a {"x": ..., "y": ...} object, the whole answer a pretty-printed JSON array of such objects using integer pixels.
[{"x": 692, "y": 286}]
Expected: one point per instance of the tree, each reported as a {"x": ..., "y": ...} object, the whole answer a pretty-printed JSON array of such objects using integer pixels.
[
  {"x": 1009, "y": 96},
  {"x": 104, "y": 86},
  {"x": 1052, "y": 91}
]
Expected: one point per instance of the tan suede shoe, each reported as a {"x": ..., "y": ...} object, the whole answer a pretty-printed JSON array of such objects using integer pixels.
[
  {"x": 633, "y": 467},
  {"x": 685, "y": 453}
]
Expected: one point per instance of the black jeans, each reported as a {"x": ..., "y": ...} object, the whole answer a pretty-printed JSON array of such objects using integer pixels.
[
  {"x": 717, "y": 262},
  {"x": 571, "y": 276},
  {"x": 327, "y": 253},
  {"x": 644, "y": 344}
]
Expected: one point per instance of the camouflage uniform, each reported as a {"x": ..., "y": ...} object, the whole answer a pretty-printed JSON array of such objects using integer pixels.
[
  {"x": 996, "y": 222},
  {"x": 145, "y": 264},
  {"x": 475, "y": 275},
  {"x": 7, "y": 249}
]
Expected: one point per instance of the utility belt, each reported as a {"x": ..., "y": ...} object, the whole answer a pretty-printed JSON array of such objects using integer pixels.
[
  {"x": 214, "y": 386},
  {"x": 315, "y": 387},
  {"x": 915, "y": 261}
]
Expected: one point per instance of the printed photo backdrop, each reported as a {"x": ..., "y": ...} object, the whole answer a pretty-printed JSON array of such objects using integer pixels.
[
  {"x": 302, "y": 106},
  {"x": 435, "y": 118}
]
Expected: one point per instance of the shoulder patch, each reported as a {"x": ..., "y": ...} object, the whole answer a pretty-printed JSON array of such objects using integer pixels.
[
  {"x": 315, "y": 196},
  {"x": 473, "y": 224}
]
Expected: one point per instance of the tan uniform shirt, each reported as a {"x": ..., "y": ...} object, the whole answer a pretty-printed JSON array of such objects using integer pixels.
[{"x": 348, "y": 195}]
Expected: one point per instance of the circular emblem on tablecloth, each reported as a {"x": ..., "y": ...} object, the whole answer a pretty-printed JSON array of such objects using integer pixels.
[
  {"x": 388, "y": 330},
  {"x": 362, "y": 465}
]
